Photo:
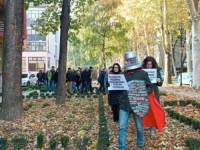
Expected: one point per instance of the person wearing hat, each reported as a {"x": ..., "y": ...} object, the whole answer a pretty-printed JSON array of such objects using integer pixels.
[{"x": 132, "y": 72}]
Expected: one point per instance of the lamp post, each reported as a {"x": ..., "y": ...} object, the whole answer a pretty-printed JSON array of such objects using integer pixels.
[{"x": 181, "y": 69}]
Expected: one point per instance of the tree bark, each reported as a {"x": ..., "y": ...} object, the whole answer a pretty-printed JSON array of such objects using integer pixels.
[
  {"x": 64, "y": 27},
  {"x": 166, "y": 44},
  {"x": 103, "y": 51},
  {"x": 194, "y": 13},
  {"x": 149, "y": 53},
  {"x": 188, "y": 51},
  {"x": 12, "y": 103}
]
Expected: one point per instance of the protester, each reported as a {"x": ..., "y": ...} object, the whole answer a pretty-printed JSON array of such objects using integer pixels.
[
  {"x": 85, "y": 79},
  {"x": 150, "y": 63},
  {"x": 69, "y": 80},
  {"x": 78, "y": 80},
  {"x": 133, "y": 72},
  {"x": 50, "y": 79},
  {"x": 114, "y": 95},
  {"x": 55, "y": 78},
  {"x": 74, "y": 81},
  {"x": 40, "y": 78},
  {"x": 101, "y": 80}
]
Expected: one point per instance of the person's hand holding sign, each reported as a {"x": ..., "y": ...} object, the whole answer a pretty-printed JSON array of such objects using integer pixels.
[{"x": 158, "y": 80}]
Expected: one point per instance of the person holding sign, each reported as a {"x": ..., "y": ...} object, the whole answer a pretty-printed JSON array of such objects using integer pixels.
[
  {"x": 139, "y": 88},
  {"x": 114, "y": 95},
  {"x": 150, "y": 63}
]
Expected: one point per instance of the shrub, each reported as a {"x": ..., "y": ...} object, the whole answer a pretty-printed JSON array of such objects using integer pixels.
[
  {"x": 195, "y": 124},
  {"x": 182, "y": 103},
  {"x": 64, "y": 141},
  {"x": 182, "y": 118},
  {"x": 40, "y": 139},
  {"x": 188, "y": 121},
  {"x": 193, "y": 144},
  {"x": 3, "y": 143},
  {"x": 95, "y": 96},
  {"x": 81, "y": 142},
  {"x": 18, "y": 142},
  {"x": 52, "y": 143}
]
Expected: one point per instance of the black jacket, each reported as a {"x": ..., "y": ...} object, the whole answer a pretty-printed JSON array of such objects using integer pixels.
[
  {"x": 78, "y": 80},
  {"x": 55, "y": 77},
  {"x": 68, "y": 76},
  {"x": 138, "y": 75},
  {"x": 85, "y": 76},
  {"x": 40, "y": 77}
]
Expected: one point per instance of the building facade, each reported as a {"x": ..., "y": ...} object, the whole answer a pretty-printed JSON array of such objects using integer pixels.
[{"x": 42, "y": 51}]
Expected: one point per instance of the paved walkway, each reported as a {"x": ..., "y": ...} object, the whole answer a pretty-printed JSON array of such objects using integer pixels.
[{"x": 180, "y": 92}]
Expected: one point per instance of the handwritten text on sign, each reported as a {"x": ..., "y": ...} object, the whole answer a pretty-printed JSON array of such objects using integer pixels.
[
  {"x": 152, "y": 73},
  {"x": 117, "y": 82},
  {"x": 138, "y": 97}
]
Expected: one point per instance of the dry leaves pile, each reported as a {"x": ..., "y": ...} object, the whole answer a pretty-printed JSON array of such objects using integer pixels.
[
  {"x": 172, "y": 137},
  {"x": 80, "y": 117},
  {"x": 77, "y": 117}
]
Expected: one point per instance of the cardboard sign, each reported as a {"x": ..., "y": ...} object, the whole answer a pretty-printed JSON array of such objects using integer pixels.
[
  {"x": 117, "y": 82},
  {"x": 138, "y": 97},
  {"x": 152, "y": 73}
]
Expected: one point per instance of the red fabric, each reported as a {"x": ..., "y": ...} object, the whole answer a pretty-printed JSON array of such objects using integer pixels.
[
  {"x": 155, "y": 117},
  {"x": 128, "y": 72}
]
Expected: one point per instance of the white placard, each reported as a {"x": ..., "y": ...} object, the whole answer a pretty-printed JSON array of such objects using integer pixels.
[
  {"x": 117, "y": 82},
  {"x": 152, "y": 74}
]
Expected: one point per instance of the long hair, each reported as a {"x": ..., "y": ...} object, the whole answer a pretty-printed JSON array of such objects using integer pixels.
[
  {"x": 152, "y": 60},
  {"x": 116, "y": 64}
]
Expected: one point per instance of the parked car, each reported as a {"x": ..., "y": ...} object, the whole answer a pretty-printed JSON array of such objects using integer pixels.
[
  {"x": 29, "y": 79},
  {"x": 187, "y": 78}
]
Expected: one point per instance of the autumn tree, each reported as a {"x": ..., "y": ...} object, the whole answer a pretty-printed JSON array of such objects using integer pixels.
[
  {"x": 12, "y": 104},
  {"x": 58, "y": 13}
]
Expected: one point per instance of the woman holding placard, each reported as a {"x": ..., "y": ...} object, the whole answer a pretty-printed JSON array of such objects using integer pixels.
[
  {"x": 114, "y": 95},
  {"x": 150, "y": 63}
]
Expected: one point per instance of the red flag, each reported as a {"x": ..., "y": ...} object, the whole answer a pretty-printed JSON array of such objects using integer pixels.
[{"x": 155, "y": 116}]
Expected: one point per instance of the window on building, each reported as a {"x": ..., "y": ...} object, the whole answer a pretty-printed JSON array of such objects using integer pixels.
[
  {"x": 23, "y": 64},
  {"x": 49, "y": 60},
  {"x": 36, "y": 46},
  {"x": 36, "y": 63},
  {"x": 56, "y": 50}
]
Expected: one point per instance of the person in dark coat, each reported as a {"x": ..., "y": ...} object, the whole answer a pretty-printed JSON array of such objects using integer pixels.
[
  {"x": 114, "y": 95},
  {"x": 69, "y": 80},
  {"x": 78, "y": 80},
  {"x": 101, "y": 80},
  {"x": 85, "y": 80},
  {"x": 44, "y": 76},
  {"x": 55, "y": 78},
  {"x": 40, "y": 78},
  {"x": 150, "y": 63}
]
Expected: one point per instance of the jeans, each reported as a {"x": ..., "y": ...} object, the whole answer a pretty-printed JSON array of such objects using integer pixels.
[
  {"x": 101, "y": 87},
  {"x": 123, "y": 120},
  {"x": 90, "y": 87},
  {"x": 51, "y": 85},
  {"x": 74, "y": 86},
  {"x": 84, "y": 87}
]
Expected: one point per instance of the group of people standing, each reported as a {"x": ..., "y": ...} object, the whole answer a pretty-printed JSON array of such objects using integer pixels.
[
  {"x": 119, "y": 100},
  {"x": 75, "y": 79}
]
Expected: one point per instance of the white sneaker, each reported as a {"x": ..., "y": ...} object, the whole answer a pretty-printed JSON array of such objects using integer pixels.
[{"x": 152, "y": 134}]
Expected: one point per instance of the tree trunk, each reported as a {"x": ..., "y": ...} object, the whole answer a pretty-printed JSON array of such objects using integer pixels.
[
  {"x": 166, "y": 44},
  {"x": 173, "y": 57},
  {"x": 168, "y": 77},
  {"x": 12, "y": 103},
  {"x": 196, "y": 53},
  {"x": 147, "y": 41},
  {"x": 103, "y": 51},
  {"x": 188, "y": 51},
  {"x": 64, "y": 27}
]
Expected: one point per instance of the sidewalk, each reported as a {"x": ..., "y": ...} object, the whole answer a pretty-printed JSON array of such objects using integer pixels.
[{"x": 181, "y": 92}]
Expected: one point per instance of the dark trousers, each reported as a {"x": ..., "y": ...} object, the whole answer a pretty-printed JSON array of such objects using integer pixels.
[
  {"x": 101, "y": 87},
  {"x": 84, "y": 87},
  {"x": 90, "y": 87},
  {"x": 115, "y": 110}
]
